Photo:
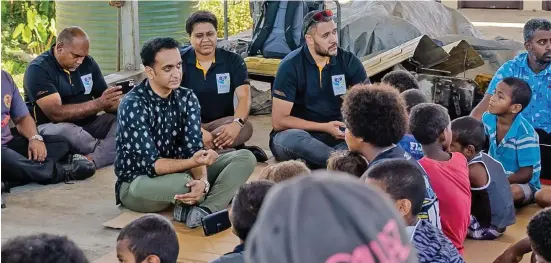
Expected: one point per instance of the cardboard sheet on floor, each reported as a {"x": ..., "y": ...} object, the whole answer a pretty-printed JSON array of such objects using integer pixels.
[{"x": 128, "y": 216}]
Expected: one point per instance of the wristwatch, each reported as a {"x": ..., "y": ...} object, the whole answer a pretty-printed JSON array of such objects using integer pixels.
[
  {"x": 37, "y": 137},
  {"x": 207, "y": 186},
  {"x": 239, "y": 121}
]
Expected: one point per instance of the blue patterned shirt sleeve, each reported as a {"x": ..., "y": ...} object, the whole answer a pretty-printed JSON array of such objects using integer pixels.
[
  {"x": 137, "y": 145},
  {"x": 193, "y": 138}
]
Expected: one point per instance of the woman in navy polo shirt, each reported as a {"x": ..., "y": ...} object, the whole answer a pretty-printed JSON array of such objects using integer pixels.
[{"x": 216, "y": 75}]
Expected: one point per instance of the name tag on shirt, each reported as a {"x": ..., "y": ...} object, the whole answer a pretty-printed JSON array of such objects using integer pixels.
[
  {"x": 339, "y": 84},
  {"x": 223, "y": 83},
  {"x": 87, "y": 82}
]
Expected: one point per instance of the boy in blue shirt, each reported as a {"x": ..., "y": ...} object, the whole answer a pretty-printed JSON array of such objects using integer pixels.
[
  {"x": 412, "y": 97},
  {"x": 513, "y": 140}
]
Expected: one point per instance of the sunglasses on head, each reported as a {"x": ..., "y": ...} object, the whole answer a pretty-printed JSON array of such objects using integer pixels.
[{"x": 318, "y": 17}]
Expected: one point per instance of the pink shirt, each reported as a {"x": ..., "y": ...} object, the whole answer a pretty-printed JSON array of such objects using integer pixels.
[{"x": 450, "y": 182}]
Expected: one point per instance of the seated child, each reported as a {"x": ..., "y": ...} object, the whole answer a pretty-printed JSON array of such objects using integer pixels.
[
  {"x": 492, "y": 207},
  {"x": 42, "y": 248},
  {"x": 348, "y": 162},
  {"x": 150, "y": 238},
  {"x": 538, "y": 241},
  {"x": 243, "y": 212},
  {"x": 405, "y": 185},
  {"x": 448, "y": 173},
  {"x": 513, "y": 140},
  {"x": 401, "y": 80},
  {"x": 543, "y": 197},
  {"x": 375, "y": 133},
  {"x": 284, "y": 170},
  {"x": 412, "y": 97}
]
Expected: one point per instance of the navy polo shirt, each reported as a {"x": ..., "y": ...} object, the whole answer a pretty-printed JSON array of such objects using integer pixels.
[
  {"x": 317, "y": 93},
  {"x": 214, "y": 87},
  {"x": 45, "y": 76}
]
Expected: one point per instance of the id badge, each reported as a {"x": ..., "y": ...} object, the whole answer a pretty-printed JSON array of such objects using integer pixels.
[
  {"x": 223, "y": 83},
  {"x": 87, "y": 82},
  {"x": 339, "y": 84}
]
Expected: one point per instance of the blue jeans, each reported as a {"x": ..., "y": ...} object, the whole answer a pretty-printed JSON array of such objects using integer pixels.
[{"x": 312, "y": 147}]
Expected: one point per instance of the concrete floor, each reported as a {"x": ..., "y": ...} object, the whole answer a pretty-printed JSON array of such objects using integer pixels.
[{"x": 78, "y": 210}]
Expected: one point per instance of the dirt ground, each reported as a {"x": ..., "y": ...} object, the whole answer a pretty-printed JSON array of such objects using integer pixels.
[{"x": 78, "y": 210}]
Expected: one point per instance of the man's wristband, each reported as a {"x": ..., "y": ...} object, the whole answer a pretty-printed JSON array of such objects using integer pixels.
[{"x": 239, "y": 121}]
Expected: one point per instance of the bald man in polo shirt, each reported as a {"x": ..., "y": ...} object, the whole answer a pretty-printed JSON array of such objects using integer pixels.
[{"x": 65, "y": 90}]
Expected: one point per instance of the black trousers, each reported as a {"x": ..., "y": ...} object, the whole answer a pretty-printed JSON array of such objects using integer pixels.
[
  {"x": 545, "y": 149},
  {"x": 17, "y": 169}
]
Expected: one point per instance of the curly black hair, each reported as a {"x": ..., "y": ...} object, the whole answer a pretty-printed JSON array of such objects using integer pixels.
[
  {"x": 469, "y": 131},
  {"x": 427, "y": 121},
  {"x": 375, "y": 113},
  {"x": 42, "y": 248},
  {"x": 401, "y": 80},
  {"x": 246, "y": 204},
  {"x": 153, "y": 46},
  {"x": 201, "y": 16},
  {"x": 412, "y": 97},
  {"x": 151, "y": 235},
  {"x": 539, "y": 232}
]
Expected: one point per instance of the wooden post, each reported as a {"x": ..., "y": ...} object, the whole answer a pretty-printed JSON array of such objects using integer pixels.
[{"x": 130, "y": 36}]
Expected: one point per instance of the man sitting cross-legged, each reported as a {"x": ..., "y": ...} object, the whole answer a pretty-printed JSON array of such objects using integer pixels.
[
  {"x": 307, "y": 94},
  {"x": 65, "y": 90},
  {"x": 159, "y": 157},
  {"x": 28, "y": 157}
]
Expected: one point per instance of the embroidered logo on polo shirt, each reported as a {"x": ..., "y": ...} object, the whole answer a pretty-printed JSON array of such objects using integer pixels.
[
  {"x": 339, "y": 84},
  {"x": 7, "y": 100},
  {"x": 223, "y": 83},
  {"x": 87, "y": 82}
]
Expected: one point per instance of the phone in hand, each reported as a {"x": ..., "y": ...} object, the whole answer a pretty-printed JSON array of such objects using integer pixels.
[
  {"x": 342, "y": 128},
  {"x": 216, "y": 222},
  {"x": 126, "y": 85}
]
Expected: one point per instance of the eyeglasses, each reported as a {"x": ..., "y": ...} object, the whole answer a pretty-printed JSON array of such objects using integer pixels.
[{"x": 318, "y": 17}]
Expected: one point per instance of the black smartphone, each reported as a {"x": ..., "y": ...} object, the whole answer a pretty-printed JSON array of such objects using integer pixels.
[
  {"x": 216, "y": 222},
  {"x": 126, "y": 85}
]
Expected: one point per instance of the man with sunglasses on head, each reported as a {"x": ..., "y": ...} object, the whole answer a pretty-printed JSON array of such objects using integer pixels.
[
  {"x": 307, "y": 94},
  {"x": 217, "y": 76},
  {"x": 65, "y": 90}
]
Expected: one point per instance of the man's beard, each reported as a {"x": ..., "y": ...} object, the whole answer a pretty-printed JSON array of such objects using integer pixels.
[
  {"x": 322, "y": 53},
  {"x": 544, "y": 60}
]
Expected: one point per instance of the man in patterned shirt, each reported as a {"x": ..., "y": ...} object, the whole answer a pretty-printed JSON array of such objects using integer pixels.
[
  {"x": 159, "y": 148},
  {"x": 534, "y": 67}
]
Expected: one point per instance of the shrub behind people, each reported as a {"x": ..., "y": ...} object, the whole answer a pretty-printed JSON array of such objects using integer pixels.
[
  {"x": 243, "y": 213},
  {"x": 406, "y": 186},
  {"x": 42, "y": 248},
  {"x": 148, "y": 239},
  {"x": 284, "y": 170}
]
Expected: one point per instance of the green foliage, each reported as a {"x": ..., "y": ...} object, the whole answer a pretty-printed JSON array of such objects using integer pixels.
[
  {"x": 239, "y": 16},
  {"x": 37, "y": 31},
  {"x": 28, "y": 28}
]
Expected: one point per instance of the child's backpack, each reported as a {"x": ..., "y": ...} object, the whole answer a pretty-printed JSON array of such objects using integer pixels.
[{"x": 279, "y": 29}]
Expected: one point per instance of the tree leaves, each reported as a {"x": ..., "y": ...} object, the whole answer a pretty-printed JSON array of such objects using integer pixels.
[{"x": 18, "y": 30}]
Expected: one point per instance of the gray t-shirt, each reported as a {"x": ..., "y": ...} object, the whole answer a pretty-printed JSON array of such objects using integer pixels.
[{"x": 13, "y": 106}]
